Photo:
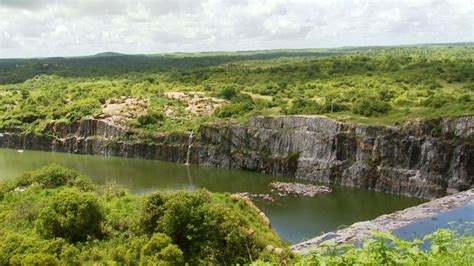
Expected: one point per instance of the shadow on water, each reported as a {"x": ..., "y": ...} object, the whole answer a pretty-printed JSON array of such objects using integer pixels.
[{"x": 295, "y": 219}]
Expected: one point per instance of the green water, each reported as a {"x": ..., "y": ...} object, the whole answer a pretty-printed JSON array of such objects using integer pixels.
[{"x": 295, "y": 219}]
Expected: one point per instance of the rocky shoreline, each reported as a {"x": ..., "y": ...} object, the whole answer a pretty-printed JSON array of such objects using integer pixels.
[
  {"x": 363, "y": 230},
  {"x": 423, "y": 158}
]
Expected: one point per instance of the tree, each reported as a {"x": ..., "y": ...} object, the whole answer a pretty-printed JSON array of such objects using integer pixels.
[{"x": 72, "y": 215}]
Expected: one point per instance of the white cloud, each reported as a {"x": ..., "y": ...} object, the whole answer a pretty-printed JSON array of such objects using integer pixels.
[{"x": 66, "y": 27}]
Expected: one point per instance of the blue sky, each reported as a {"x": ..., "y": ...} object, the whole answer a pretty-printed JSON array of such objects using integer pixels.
[{"x": 38, "y": 28}]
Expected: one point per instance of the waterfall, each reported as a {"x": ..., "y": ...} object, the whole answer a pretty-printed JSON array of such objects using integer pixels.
[
  {"x": 24, "y": 142},
  {"x": 190, "y": 144}
]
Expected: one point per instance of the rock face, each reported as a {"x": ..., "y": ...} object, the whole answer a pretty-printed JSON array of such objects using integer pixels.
[{"x": 425, "y": 159}]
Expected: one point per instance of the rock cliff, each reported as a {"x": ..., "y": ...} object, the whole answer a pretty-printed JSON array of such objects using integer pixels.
[{"x": 423, "y": 158}]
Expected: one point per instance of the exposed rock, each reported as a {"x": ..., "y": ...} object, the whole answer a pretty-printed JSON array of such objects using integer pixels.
[
  {"x": 121, "y": 110},
  {"x": 298, "y": 189},
  {"x": 265, "y": 219},
  {"x": 170, "y": 112},
  {"x": 197, "y": 102},
  {"x": 278, "y": 251},
  {"x": 256, "y": 196},
  {"x": 424, "y": 158},
  {"x": 390, "y": 222}
]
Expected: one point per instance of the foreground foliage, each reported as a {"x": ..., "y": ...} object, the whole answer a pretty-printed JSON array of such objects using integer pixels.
[
  {"x": 53, "y": 215},
  {"x": 444, "y": 247},
  {"x": 367, "y": 85}
]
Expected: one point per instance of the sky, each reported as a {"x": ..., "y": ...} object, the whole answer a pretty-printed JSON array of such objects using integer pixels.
[{"x": 41, "y": 28}]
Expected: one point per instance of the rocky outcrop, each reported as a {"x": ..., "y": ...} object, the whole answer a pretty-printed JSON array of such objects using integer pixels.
[{"x": 423, "y": 158}]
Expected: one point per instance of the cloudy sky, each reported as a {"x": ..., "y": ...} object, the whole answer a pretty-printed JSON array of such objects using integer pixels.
[{"x": 39, "y": 28}]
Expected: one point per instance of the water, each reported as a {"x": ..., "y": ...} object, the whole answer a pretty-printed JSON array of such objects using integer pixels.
[
  {"x": 294, "y": 219},
  {"x": 190, "y": 144},
  {"x": 460, "y": 219}
]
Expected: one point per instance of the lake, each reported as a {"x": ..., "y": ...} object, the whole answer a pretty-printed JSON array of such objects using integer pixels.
[{"x": 294, "y": 218}]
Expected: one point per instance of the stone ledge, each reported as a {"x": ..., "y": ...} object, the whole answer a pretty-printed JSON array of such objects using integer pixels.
[{"x": 389, "y": 222}]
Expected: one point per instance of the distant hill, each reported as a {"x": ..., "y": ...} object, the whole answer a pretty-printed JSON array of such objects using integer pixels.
[
  {"x": 17, "y": 70},
  {"x": 108, "y": 54}
]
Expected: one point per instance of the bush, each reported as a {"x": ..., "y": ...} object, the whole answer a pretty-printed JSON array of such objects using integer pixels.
[
  {"x": 72, "y": 215},
  {"x": 435, "y": 101},
  {"x": 160, "y": 250},
  {"x": 49, "y": 176},
  {"x": 35, "y": 259},
  {"x": 228, "y": 93},
  {"x": 239, "y": 108},
  {"x": 304, "y": 106},
  {"x": 445, "y": 248},
  {"x": 150, "y": 119},
  {"x": 204, "y": 230},
  {"x": 82, "y": 183},
  {"x": 53, "y": 175},
  {"x": 370, "y": 107},
  {"x": 70, "y": 255},
  {"x": 81, "y": 108}
]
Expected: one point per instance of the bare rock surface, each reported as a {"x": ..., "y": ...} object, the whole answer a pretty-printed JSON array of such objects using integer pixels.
[
  {"x": 198, "y": 103},
  {"x": 389, "y": 222},
  {"x": 121, "y": 110},
  {"x": 251, "y": 196}
]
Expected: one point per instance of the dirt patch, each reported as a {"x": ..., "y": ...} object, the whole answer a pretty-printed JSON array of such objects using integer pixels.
[
  {"x": 198, "y": 103},
  {"x": 123, "y": 109}
]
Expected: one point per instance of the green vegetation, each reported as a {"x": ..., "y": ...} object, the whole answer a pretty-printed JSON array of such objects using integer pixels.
[
  {"x": 55, "y": 216},
  {"x": 372, "y": 85},
  {"x": 445, "y": 248}
]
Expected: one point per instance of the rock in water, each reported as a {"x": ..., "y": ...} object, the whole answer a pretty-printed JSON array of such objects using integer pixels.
[{"x": 299, "y": 189}]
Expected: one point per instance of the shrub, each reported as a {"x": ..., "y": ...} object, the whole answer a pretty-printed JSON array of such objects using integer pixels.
[
  {"x": 160, "y": 250},
  {"x": 445, "y": 248},
  {"x": 35, "y": 259},
  {"x": 435, "y": 101},
  {"x": 70, "y": 255},
  {"x": 204, "y": 230},
  {"x": 81, "y": 108},
  {"x": 49, "y": 176},
  {"x": 152, "y": 211},
  {"x": 13, "y": 244},
  {"x": 304, "y": 106},
  {"x": 82, "y": 183},
  {"x": 53, "y": 175},
  {"x": 370, "y": 107},
  {"x": 150, "y": 119},
  {"x": 71, "y": 215},
  {"x": 228, "y": 93}
]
